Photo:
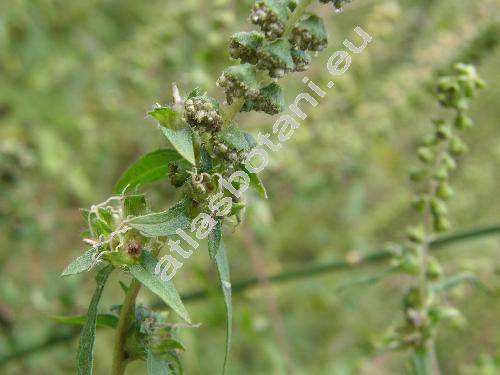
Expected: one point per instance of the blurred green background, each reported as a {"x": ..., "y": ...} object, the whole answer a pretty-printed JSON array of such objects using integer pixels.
[{"x": 76, "y": 79}]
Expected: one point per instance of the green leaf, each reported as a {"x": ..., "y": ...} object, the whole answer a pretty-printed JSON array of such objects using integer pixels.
[
  {"x": 169, "y": 344},
  {"x": 80, "y": 264},
  {"x": 223, "y": 270},
  {"x": 149, "y": 168},
  {"x": 135, "y": 205},
  {"x": 256, "y": 183},
  {"x": 234, "y": 137},
  {"x": 157, "y": 365},
  {"x": 85, "y": 356},
  {"x": 214, "y": 239},
  {"x": 176, "y": 130},
  {"x": 144, "y": 272},
  {"x": 164, "y": 223},
  {"x": 103, "y": 320}
]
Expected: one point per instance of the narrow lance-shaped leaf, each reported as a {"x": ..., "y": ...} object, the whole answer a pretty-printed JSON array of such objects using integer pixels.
[
  {"x": 157, "y": 365},
  {"x": 80, "y": 264},
  {"x": 149, "y": 168},
  {"x": 214, "y": 240},
  {"x": 176, "y": 130},
  {"x": 85, "y": 357},
  {"x": 164, "y": 223},
  {"x": 223, "y": 270},
  {"x": 144, "y": 272}
]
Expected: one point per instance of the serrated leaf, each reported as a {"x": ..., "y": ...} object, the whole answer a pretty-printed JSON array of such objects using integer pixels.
[
  {"x": 80, "y": 264},
  {"x": 214, "y": 239},
  {"x": 85, "y": 356},
  {"x": 149, "y": 168},
  {"x": 162, "y": 224},
  {"x": 176, "y": 130},
  {"x": 103, "y": 320},
  {"x": 157, "y": 365},
  {"x": 144, "y": 273},
  {"x": 223, "y": 271}
]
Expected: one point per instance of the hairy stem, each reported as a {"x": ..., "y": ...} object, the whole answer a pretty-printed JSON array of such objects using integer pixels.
[
  {"x": 120, "y": 359},
  {"x": 126, "y": 312}
]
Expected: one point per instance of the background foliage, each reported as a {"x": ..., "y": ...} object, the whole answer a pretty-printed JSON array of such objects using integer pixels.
[{"x": 76, "y": 79}]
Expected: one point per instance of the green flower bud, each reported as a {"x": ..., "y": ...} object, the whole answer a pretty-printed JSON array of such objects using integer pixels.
[
  {"x": 203, "y": 113},
  {"x": 443, "y": 131},
  {"x": 440, "y": 223},
  {"x": 271, "y": 16},
  {"x": 434, "y": 269},
  {"x": 426, "y": 154},
  {"x": 276, "y": 58},
  {"x": 301, "y": 59},
  {"x": 449, "y": 162},
  {"x": 441, "y": 174},
  {"x": 444, "y": 191},
  {"x": 239, "y": 81},
  {"x": 438, "y": 207},
  {"x": 270, "y": 100},
  {"x": 310, "y": 33},
  {"x": 456, "y": 146},
  {"x": 463, "y": 121},
  {"x": 244, "y": 46},
  {"x": 416, "y": 233}
]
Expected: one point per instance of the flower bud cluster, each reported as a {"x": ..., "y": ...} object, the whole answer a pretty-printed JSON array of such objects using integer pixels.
[
  {"x": 280, "y": 47},
  {"x": 203, "y": 113}
]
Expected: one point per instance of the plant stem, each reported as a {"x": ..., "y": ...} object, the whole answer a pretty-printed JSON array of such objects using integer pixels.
[
  {"x": 294, "y": 17},
  {"x": 126, "y": 312}
]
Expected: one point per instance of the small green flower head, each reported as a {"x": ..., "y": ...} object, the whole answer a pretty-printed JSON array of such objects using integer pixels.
[
  {"x": 203, "y": 113},
  {"x": 271, "y": 16},
  {"x": 310, "y": 33},
  {"x": 301, "y": 59},
  {"x": 270, "y": 100},
  {"x": 454, "y": 91},
  {"x": 239, "y": 81},
  {"x": 244, "y": 46},
  {"x": 276, "y": 58}
]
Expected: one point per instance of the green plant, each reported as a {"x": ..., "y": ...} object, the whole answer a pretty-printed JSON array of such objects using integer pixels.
[
  {"x": 208, "y": 164},
  {"x": 423, "y": 306}
]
